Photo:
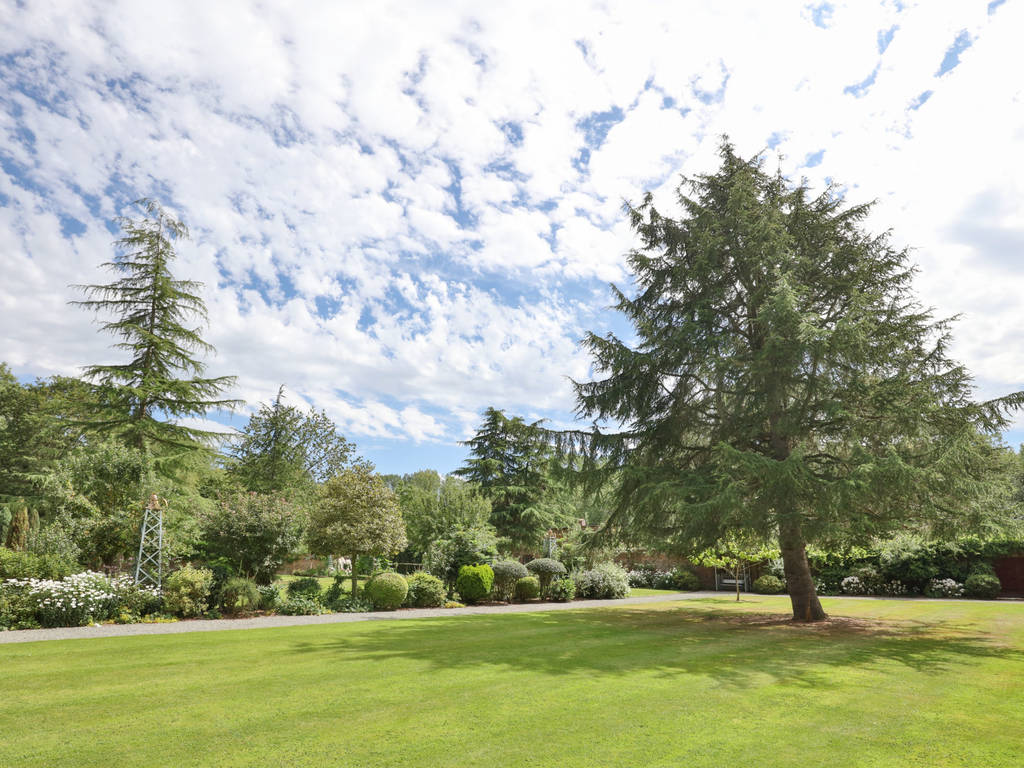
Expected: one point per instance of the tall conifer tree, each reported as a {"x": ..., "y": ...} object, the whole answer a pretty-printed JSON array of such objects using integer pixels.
[
  {"x": 153, "y": 313},
  {"x": 784, "y": 381}
]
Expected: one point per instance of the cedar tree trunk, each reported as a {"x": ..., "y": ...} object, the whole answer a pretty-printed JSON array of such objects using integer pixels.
[{"x": 806, "y": 606}]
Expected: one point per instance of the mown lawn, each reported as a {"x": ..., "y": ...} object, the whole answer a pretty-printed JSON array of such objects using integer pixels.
[{"x": 698, "y": 683}]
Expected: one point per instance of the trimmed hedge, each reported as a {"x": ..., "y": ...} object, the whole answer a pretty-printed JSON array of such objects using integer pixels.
[
  {"x": 545, "y": 569},
  {"x": 527, "y": 588},
  {"x": 425, "y": 591},
  {"x": 506, "y": 574},
  {"x": 768, "y": 585},
  {"x": 474, "y": 583},
  {"x": 982, "y": 586},
  {"x": 387, "y": 591}
]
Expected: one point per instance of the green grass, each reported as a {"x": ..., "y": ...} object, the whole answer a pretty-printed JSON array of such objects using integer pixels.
[
  {"x": 641, "y": 592},
  {"x": 325, "y": 581},
  {"x": 700, "y": 683}
]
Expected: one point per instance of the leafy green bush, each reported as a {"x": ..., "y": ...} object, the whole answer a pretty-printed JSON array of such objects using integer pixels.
[
  {"x": 307, "y": 587},
  {"x": 257, "y": 532},
  {"x": 299, "y": 605},
  {"x": 470, "y": 546},
  {"x": 527, "y": 588},
  {"x": 474, "y": 582},
  {"x": 768, "y": 585},
  {"x": 29, "y": 565},
  {"x": 425, "y": 591},
  {"x": 982, "y": 586},
  {"x": 685, "y": 580},
  {"x": 944, "y": 588},
  {"x": 387, "y": 591},
  {"x": 270, "y": 596},
  {"x": 545, "y": 569},
  {"x": 506, "y": 574},
  {"x": 562, "y": 590},
  {"x": 187, "y": 591},
  {"x": 347, "y": 604},
  {"x": 336, "y": 594},
  {"x": 605, "y": 581},
  {"x": 239, "y": 595}
]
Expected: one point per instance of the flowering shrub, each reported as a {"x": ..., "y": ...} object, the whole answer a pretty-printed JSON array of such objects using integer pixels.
[
  {"x": 894, "y": 588},
  {"x": 605, "y": 581},
  {"x": 76, "y": 600},
  {"x": 640, "y": 579},
  {"x": 944, "y": 588},
  {"x": 852, "y": 585}
]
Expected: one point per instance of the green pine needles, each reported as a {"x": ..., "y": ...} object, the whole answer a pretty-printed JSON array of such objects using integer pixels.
[
  {"x": 783, "y": 382},
  {"x": 141, "y": 399}
]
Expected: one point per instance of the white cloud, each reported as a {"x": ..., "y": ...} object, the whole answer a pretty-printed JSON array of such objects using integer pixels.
[{"x": 321, "y": 156}]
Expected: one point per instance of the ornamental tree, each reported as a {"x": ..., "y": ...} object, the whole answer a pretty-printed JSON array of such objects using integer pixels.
[
  {"x": 255, "y": 532},
  {"x": 783, "y": 381},
  {"x": 356, "y": 513}
]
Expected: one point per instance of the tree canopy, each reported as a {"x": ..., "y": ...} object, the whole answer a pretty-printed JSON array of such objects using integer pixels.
[
  {"x": 163, "y": 379},
  {"x": 284, "y": 448},
  {"x": 783, "y": 381},
  {"x": 512, "y": 463}
]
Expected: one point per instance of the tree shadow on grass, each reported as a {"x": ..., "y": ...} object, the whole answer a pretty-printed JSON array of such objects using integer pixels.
[{"x": 734, "y": 648}]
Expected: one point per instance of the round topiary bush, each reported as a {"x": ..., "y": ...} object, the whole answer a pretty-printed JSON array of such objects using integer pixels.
[
  {"x": 527, "y": 588},
  {"x": 768, "y": 585},
  {"x": 545, "y": 569},
  {"x": 562, "y": 590},
  {"x": 982, "y": 586},
  {"x": 474, "y": 582},
  {"x": 387, "y": 591},
  {"x": 239, "y": 595},
  {"x": 425, "y": 591},
  {"x": 506, "y": 574}
]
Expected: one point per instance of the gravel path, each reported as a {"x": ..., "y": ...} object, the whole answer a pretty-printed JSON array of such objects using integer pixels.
[{"x": 265, "y": 622}]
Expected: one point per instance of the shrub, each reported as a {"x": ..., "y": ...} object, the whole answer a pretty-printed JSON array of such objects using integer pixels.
[
  {"x": 187, "y": 591},
  {"x": 349, "y": 604},
  {"x": 256, "y": 532},
  {"x": 768, "y": 585},
  {"x": 640, "y": 579},
  {"x": 663, "y": 580},
  {"x": 545, "y": 569},
  {"x": 299, "y": 605},
  {"x": 982, "y": 586},
  {"x": 527, "y": 588},
  {"x": 29, "y": 565},
  {"x": 73, "y": 601},
  {"x": 605, "y": 581},
  {"x": 238, "y": 595},
  {"x": 470, "y": 546},
  {"x": 506, "y": 574},
  {"x": 387, "y": 591},
  {"x": 336, "y": 593},
  {"x": 270, "y": 596},
  {"x": 307, "y": 587},
  {"x": 474, "y": 582},
  {"x": 685, "y": 580},
  {"x": 944, "y": 588},
  {"x": 562, "y": 590},
  {"x": 892, "y": 589},
  {"x": 425, "y": 591}
]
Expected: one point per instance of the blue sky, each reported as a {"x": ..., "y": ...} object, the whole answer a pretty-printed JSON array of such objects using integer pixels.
[{"x": 406, "y": 214}]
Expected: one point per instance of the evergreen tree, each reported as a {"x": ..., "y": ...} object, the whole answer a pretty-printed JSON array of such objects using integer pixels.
[
  {"x": 283, "y": 448},
  {"x": 511, "y": 462},
  {"x": 784, "y": 382},
  {"x": 162, "y": 380},
  {"x": 17, "y": 531}
]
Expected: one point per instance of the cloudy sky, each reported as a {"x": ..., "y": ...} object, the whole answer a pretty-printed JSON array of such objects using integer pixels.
[{"x": 406, "y": 212}]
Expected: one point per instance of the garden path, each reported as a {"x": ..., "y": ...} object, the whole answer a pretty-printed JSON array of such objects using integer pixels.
[{"x": 266, "y": 622}]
